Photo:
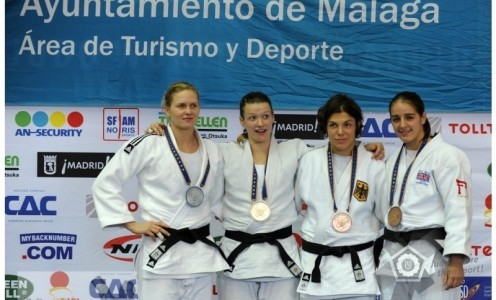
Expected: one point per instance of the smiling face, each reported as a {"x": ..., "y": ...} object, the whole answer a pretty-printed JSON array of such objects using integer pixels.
[
  {"x": 341, "y": 129},
  {"x": 407, "y": 123},
  {"x": 183, "y": 109},
  {"x": 257, "y": 119}
]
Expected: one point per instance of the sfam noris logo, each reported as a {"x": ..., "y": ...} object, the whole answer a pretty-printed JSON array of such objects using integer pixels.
[{"x": 55, "y": 124}]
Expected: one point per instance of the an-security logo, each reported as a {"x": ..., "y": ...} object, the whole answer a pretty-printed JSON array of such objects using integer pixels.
[
  {"x": 71, "y": 164},
  {"x": 49, "y": 124}
]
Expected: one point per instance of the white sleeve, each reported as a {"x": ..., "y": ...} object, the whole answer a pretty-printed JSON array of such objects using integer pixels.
[
  {"x": 453, "y": 181},
  {"x": 110, "y": 205}
]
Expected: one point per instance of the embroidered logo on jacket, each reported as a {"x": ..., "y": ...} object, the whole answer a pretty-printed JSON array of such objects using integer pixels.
[
  {"x": 462, "y": 188},
  {"x": 361, "y": 191},
  {"x": 423, "y": 177}
]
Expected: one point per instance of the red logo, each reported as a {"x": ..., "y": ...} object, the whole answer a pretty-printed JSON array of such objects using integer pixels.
[
  {"x": 123, "y": 248},
  {"x": 462, "y": 188}
]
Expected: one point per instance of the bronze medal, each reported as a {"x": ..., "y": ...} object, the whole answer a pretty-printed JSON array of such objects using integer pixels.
[
  {"x": 260, "y": 211},
  {"x": 341, "y": 222},
  {"x": 394, "y": 216}
]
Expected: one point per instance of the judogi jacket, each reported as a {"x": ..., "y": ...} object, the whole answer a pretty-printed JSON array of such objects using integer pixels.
[
  {"x": 161, "y": 197},
  {"x": 437, "y": 195},
  {"x": 313, "y": 188},
  {"x": 261, "y": 260}
]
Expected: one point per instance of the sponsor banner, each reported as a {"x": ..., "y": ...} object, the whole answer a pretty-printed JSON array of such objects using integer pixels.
[
  {"x": 75, "y": 164},
  {"x": 123, "y": 248},
  {"x": 74, "y": 285},
  {"x": 476, "y": 288},
  {"x": 48, "y": 192},
  {"x": 120, "y": 124},
  {"x": 126, "y": 53},
  {"x": 302, "y": 126}
]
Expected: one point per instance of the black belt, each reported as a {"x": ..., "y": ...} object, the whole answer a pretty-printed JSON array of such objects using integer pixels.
[
  {"x": 247, "y": 240},
  {"x": 186, "y": 235},
  {"x": 404, "y": 238},
  {"x": 339, "y": 251}
]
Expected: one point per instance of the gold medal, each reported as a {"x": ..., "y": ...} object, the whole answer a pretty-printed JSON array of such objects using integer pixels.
[
  {"x": 341, "y": 222},
  {"x": 260, "y": 211},
  {"x": 394, "y": 216}
]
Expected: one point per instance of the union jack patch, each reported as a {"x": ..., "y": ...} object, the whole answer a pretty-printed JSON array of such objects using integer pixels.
[
  {"x": 423, "y": 177},
  {"x": 361, "y": 191}
]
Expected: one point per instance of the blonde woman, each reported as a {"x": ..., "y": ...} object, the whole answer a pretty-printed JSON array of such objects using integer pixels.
[{"x": 179, "y": 185}]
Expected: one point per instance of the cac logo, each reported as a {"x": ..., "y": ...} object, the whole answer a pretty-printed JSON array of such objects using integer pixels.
[
  {"x": 115, "y": 288},
  {"x": 29, "y": 206},
  {"x": 56, "y": 119}
]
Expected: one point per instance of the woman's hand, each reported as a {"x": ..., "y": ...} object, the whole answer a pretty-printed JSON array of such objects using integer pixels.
[
  {"x": 453, "y": 274},
  {"x": 157, "y": 128},
  {"x": 152, "y": 229},
  {"x": 377, "y": 149}
]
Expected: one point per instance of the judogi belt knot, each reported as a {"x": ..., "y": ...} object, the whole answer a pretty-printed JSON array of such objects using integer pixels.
[
  {"x": 186, "y": 235},
  {"x": 430, "y": 235},
  {"x": 339, "y": 251},
  {"x": 247, "y": 240}
]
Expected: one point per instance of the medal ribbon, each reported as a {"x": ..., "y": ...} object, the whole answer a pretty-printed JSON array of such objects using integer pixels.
[
  {"x": 180, "y": 162},
  {"x": 395, "y": 174},
  {"x": 255, "y": 181},
  {"x": 331, "y": 175}
]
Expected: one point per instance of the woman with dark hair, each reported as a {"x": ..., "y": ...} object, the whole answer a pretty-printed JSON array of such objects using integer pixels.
[
  {"x": 259, "y": 208},
  {"x": 429, "y": 211},
  {"x": 341, "y": 185}
]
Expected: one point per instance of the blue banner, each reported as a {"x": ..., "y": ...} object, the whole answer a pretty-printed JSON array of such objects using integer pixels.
[{"x": 126, "y": 53}]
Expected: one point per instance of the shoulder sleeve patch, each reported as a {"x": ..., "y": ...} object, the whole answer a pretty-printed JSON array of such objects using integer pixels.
[{"x": 134, "y": 142}]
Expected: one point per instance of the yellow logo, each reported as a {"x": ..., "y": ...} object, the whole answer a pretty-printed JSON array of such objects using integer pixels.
[{"x": 361, "y": 191}]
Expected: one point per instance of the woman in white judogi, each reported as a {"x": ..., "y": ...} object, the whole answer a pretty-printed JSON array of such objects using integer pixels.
[
  {"x": 341, "y": 185},
  {"x": 259, "y": 209},
  {"x": 180, "y": 184},
  {"x": 429, "y": 211}
]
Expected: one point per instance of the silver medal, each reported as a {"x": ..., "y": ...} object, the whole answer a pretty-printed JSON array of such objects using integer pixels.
[{"x": 194, "y": 196}]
